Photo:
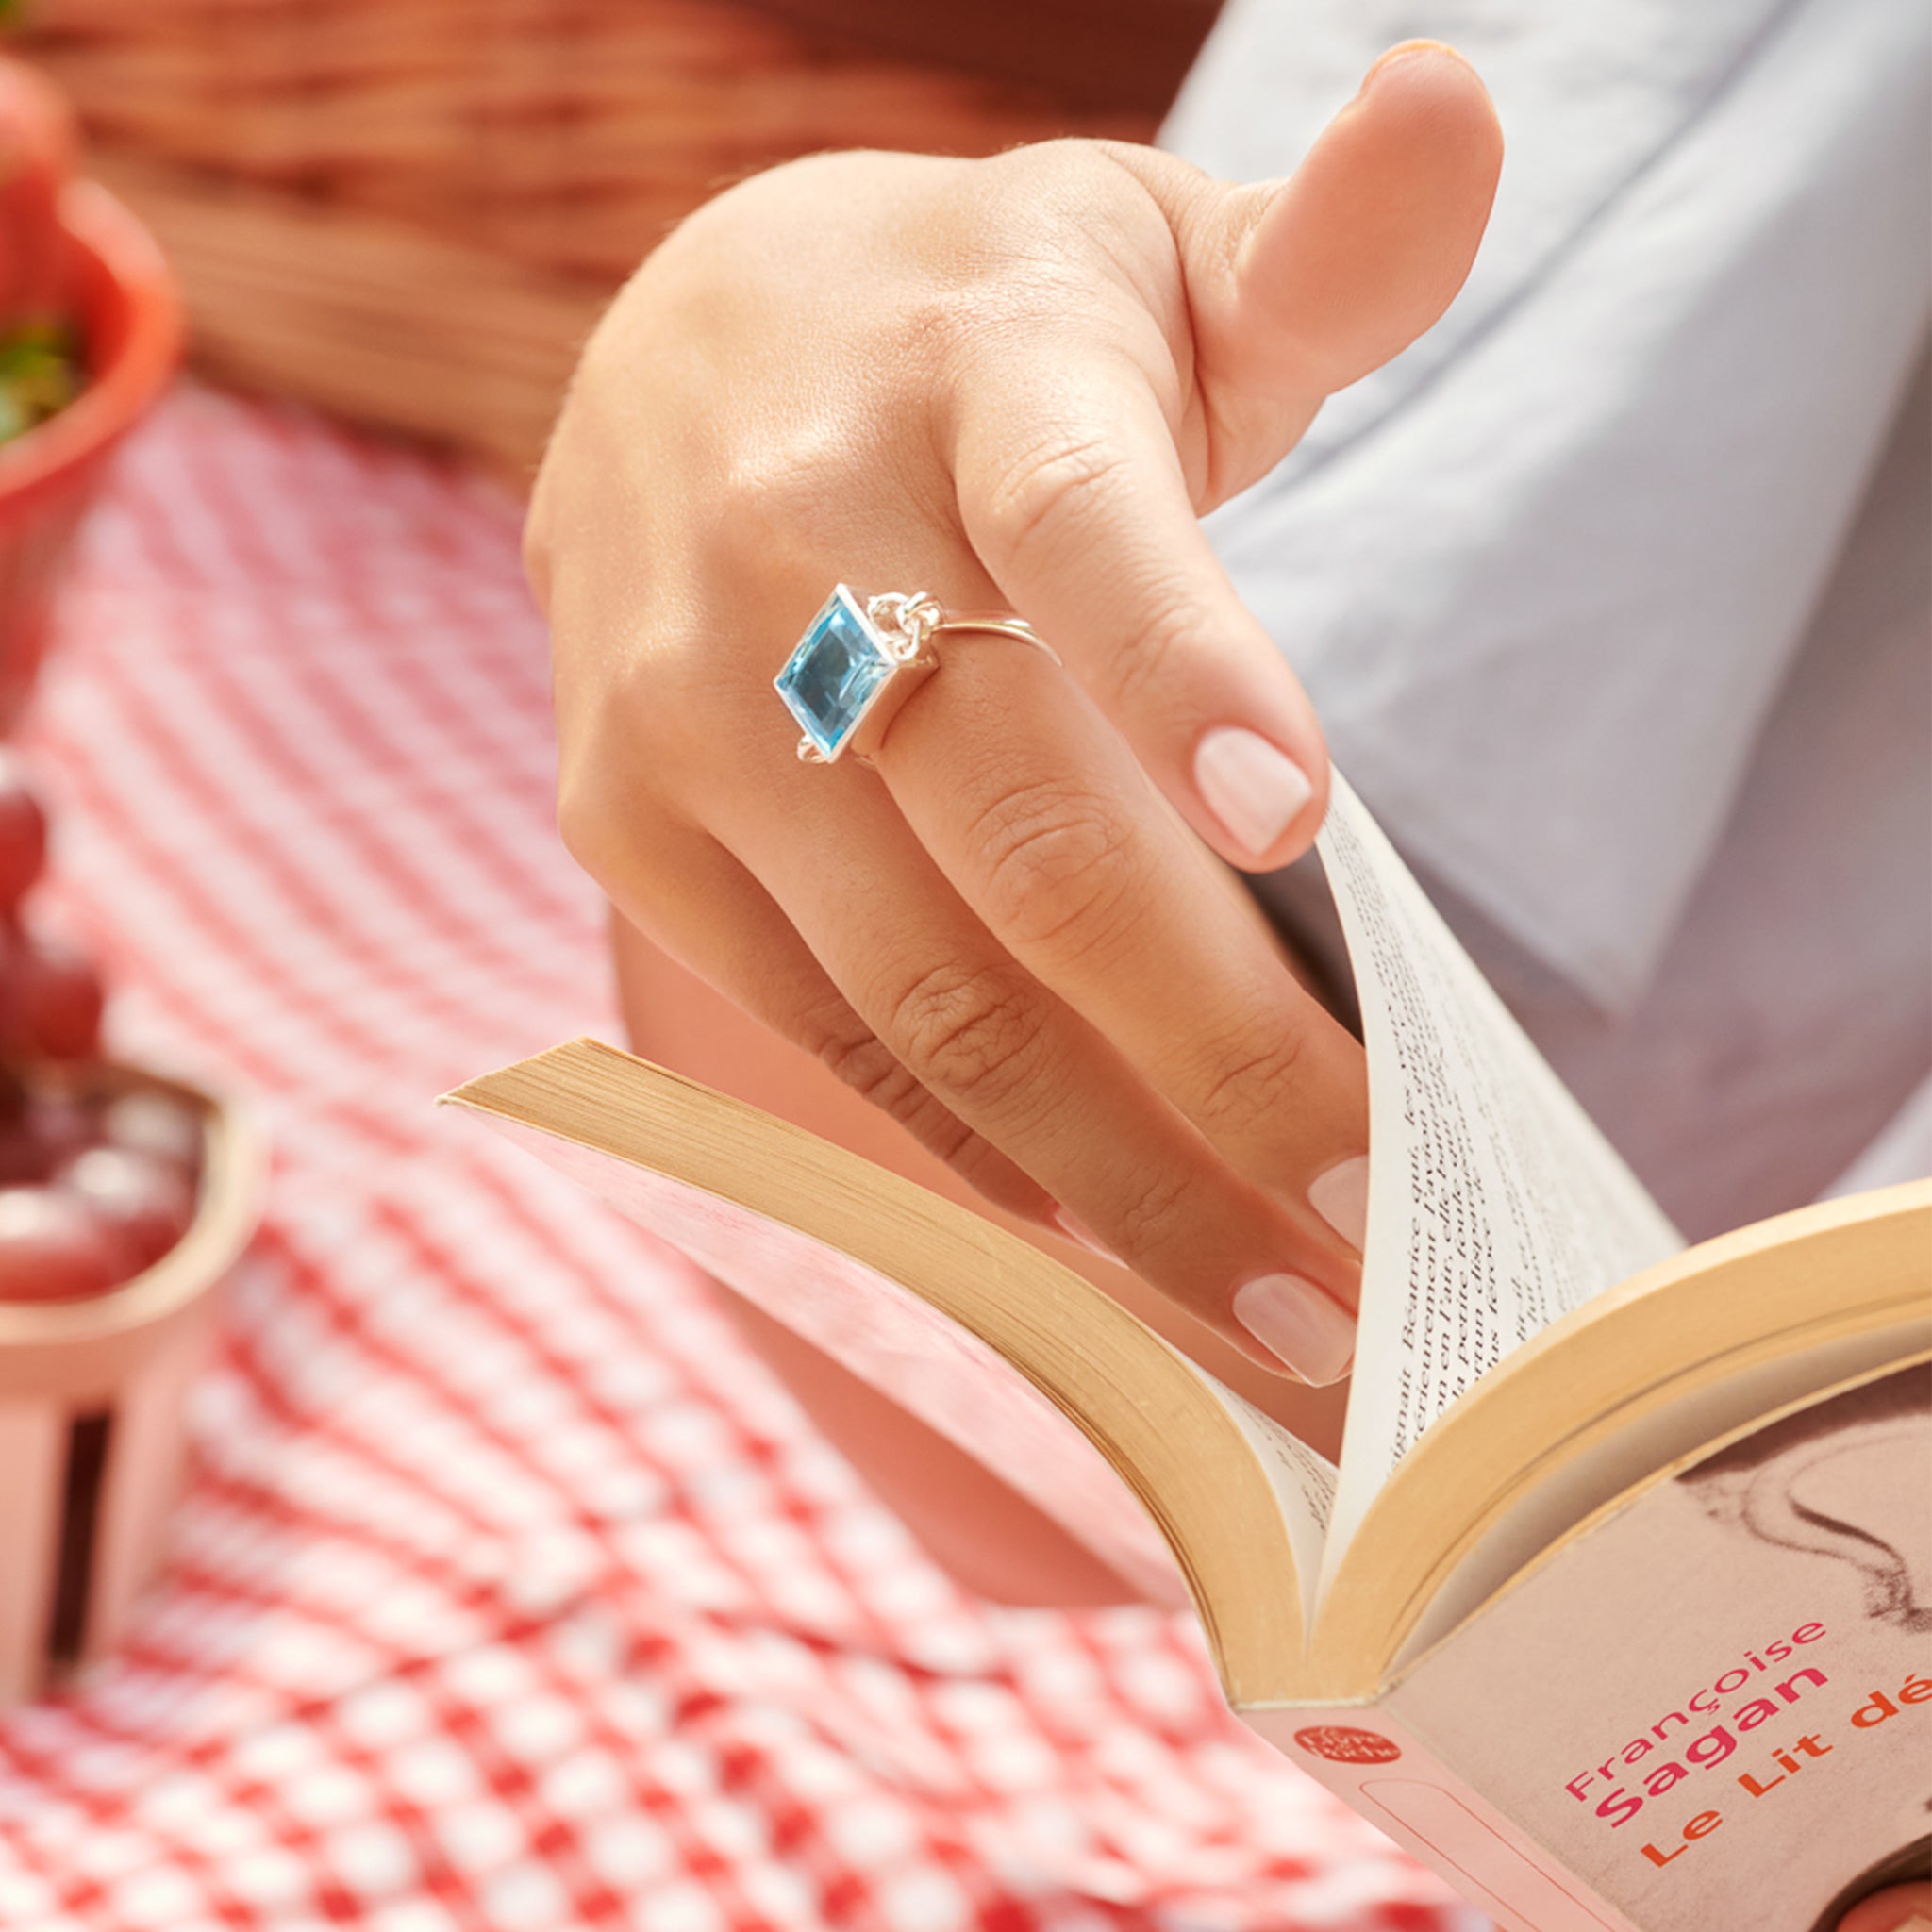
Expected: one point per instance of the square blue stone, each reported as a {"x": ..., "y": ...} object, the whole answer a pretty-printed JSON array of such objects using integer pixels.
[{"x": 835, "y": 672}]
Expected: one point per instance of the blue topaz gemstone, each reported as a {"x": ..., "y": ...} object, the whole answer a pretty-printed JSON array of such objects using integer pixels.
[{"x": 841, "y": 665}]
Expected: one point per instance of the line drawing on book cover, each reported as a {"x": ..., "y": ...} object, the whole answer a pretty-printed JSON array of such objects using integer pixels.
[
  {"x": 1715, "y": 1704},
  {"x": 1811, "y": 1482},
  {"x": 1825, "y": 1480}
]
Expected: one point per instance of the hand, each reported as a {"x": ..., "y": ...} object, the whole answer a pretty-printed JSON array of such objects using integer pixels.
[
  {"x": 1011, "y": 382},
  {"x": 1897, "y": 1908}
]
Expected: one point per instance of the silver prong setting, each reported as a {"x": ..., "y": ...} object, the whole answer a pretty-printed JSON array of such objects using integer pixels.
[{"x": 862, "y": 657}]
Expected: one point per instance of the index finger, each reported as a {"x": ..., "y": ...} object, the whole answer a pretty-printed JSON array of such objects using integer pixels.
[
  {"x": 1071, "y": 490},
  {"x": 1225, "y": 316}
]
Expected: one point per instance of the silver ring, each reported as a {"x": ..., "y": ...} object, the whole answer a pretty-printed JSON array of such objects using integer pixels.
[{"x": 862, "y": 657}]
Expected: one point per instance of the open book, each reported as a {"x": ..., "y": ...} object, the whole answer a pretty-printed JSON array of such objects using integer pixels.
[{"x": 1618, "y": 1609}]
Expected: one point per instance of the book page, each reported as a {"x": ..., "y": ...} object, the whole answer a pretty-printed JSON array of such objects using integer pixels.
[
  {"x": 1494, "y": 1205},
  {"x": 1715, "y": 1705},
  {"x": 1303, "y": 1480},
  {"x": 1543, "y": 1511}
]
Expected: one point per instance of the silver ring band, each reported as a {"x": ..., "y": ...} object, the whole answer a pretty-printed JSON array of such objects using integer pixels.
[{"x": 862, "y": 657}]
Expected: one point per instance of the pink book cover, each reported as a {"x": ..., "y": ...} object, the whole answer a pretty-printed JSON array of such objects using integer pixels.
[
  {"x": 939, "y": 1371},
  {"x": 1712, "y": 1708}
]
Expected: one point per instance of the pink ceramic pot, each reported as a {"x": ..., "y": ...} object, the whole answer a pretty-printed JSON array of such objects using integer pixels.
[{"x": 131, "y": 321}]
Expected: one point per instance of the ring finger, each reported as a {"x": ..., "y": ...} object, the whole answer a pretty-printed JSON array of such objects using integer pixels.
[{"x": 1019, "y": 1065}]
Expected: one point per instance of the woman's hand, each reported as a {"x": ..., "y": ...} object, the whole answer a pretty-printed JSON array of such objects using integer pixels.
[
  {"x": 1898, "y": 1908},
  {"x": 1012, "y": 382}
]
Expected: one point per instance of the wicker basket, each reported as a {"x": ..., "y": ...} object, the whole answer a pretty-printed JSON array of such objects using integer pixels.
[{"x": 412, "y": 210}]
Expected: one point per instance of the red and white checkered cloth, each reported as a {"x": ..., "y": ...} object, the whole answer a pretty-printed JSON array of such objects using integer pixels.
[{"x": 510, "y": 1594}]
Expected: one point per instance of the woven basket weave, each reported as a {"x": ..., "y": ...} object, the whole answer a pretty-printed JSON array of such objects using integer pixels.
[{"x": 412, "y": 210}]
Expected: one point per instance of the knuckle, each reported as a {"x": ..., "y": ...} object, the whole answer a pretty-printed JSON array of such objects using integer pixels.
[
  {"x": 941, "y": 1131},
  {"x": 1049, "y": 499},
  {"x": 1148, "y": 664},
  {"x": 1256, "y": 1084},
  {"x": 862, "y": 1062},
  {"x": 1155, "y": 1218},
  {"x": 1063, "y": 188},
  {"x": 985, "y": 1170},
  {"x": 770, "y": 508},
  {"x": 584, "y": 821},
  {"x": 973, "y": 1034},
  {"x": 1040, "y": 164},
  {"x": 621, "y": 785},
  {"x": 947, "y": 328},
  {"x": 1060, "y": 869}
]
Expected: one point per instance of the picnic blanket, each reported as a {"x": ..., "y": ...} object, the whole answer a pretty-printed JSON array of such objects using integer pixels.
[{"x": 510, "y": 1593}]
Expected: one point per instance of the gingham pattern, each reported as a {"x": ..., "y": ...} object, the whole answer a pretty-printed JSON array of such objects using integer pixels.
[{"x": 510, "y": 1595}]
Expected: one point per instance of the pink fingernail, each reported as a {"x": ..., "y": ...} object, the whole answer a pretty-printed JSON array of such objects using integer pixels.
[
  {"x": 1076, "y": 1230},
  {"x": 1253, "y": 788},
  {"x": 1341, "y": 1197},
  {"x": 1297, "y": 1324}
]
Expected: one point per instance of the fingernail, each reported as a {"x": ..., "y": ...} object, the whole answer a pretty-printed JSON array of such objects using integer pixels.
[
  {"x": 1295, "y": 1322},
  {"x": 1341, "y": 1197},
  {"x": 1076, "y": 1230},
  {"x": 1400, "y": 52},
  {"x": 1251, "y": 787}
]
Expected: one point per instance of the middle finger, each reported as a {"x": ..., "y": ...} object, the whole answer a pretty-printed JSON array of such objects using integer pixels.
[{"x": 1037, "y": 811}]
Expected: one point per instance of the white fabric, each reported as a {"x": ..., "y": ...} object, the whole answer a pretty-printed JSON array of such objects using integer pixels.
[
  {"x": 1545, "y": 574},
  {"x": 1902, "y": 1153},
  {"x": 1790, "y": 1011}
]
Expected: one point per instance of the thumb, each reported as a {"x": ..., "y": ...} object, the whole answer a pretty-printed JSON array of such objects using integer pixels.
[{"x": 1299, "y": 287}]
